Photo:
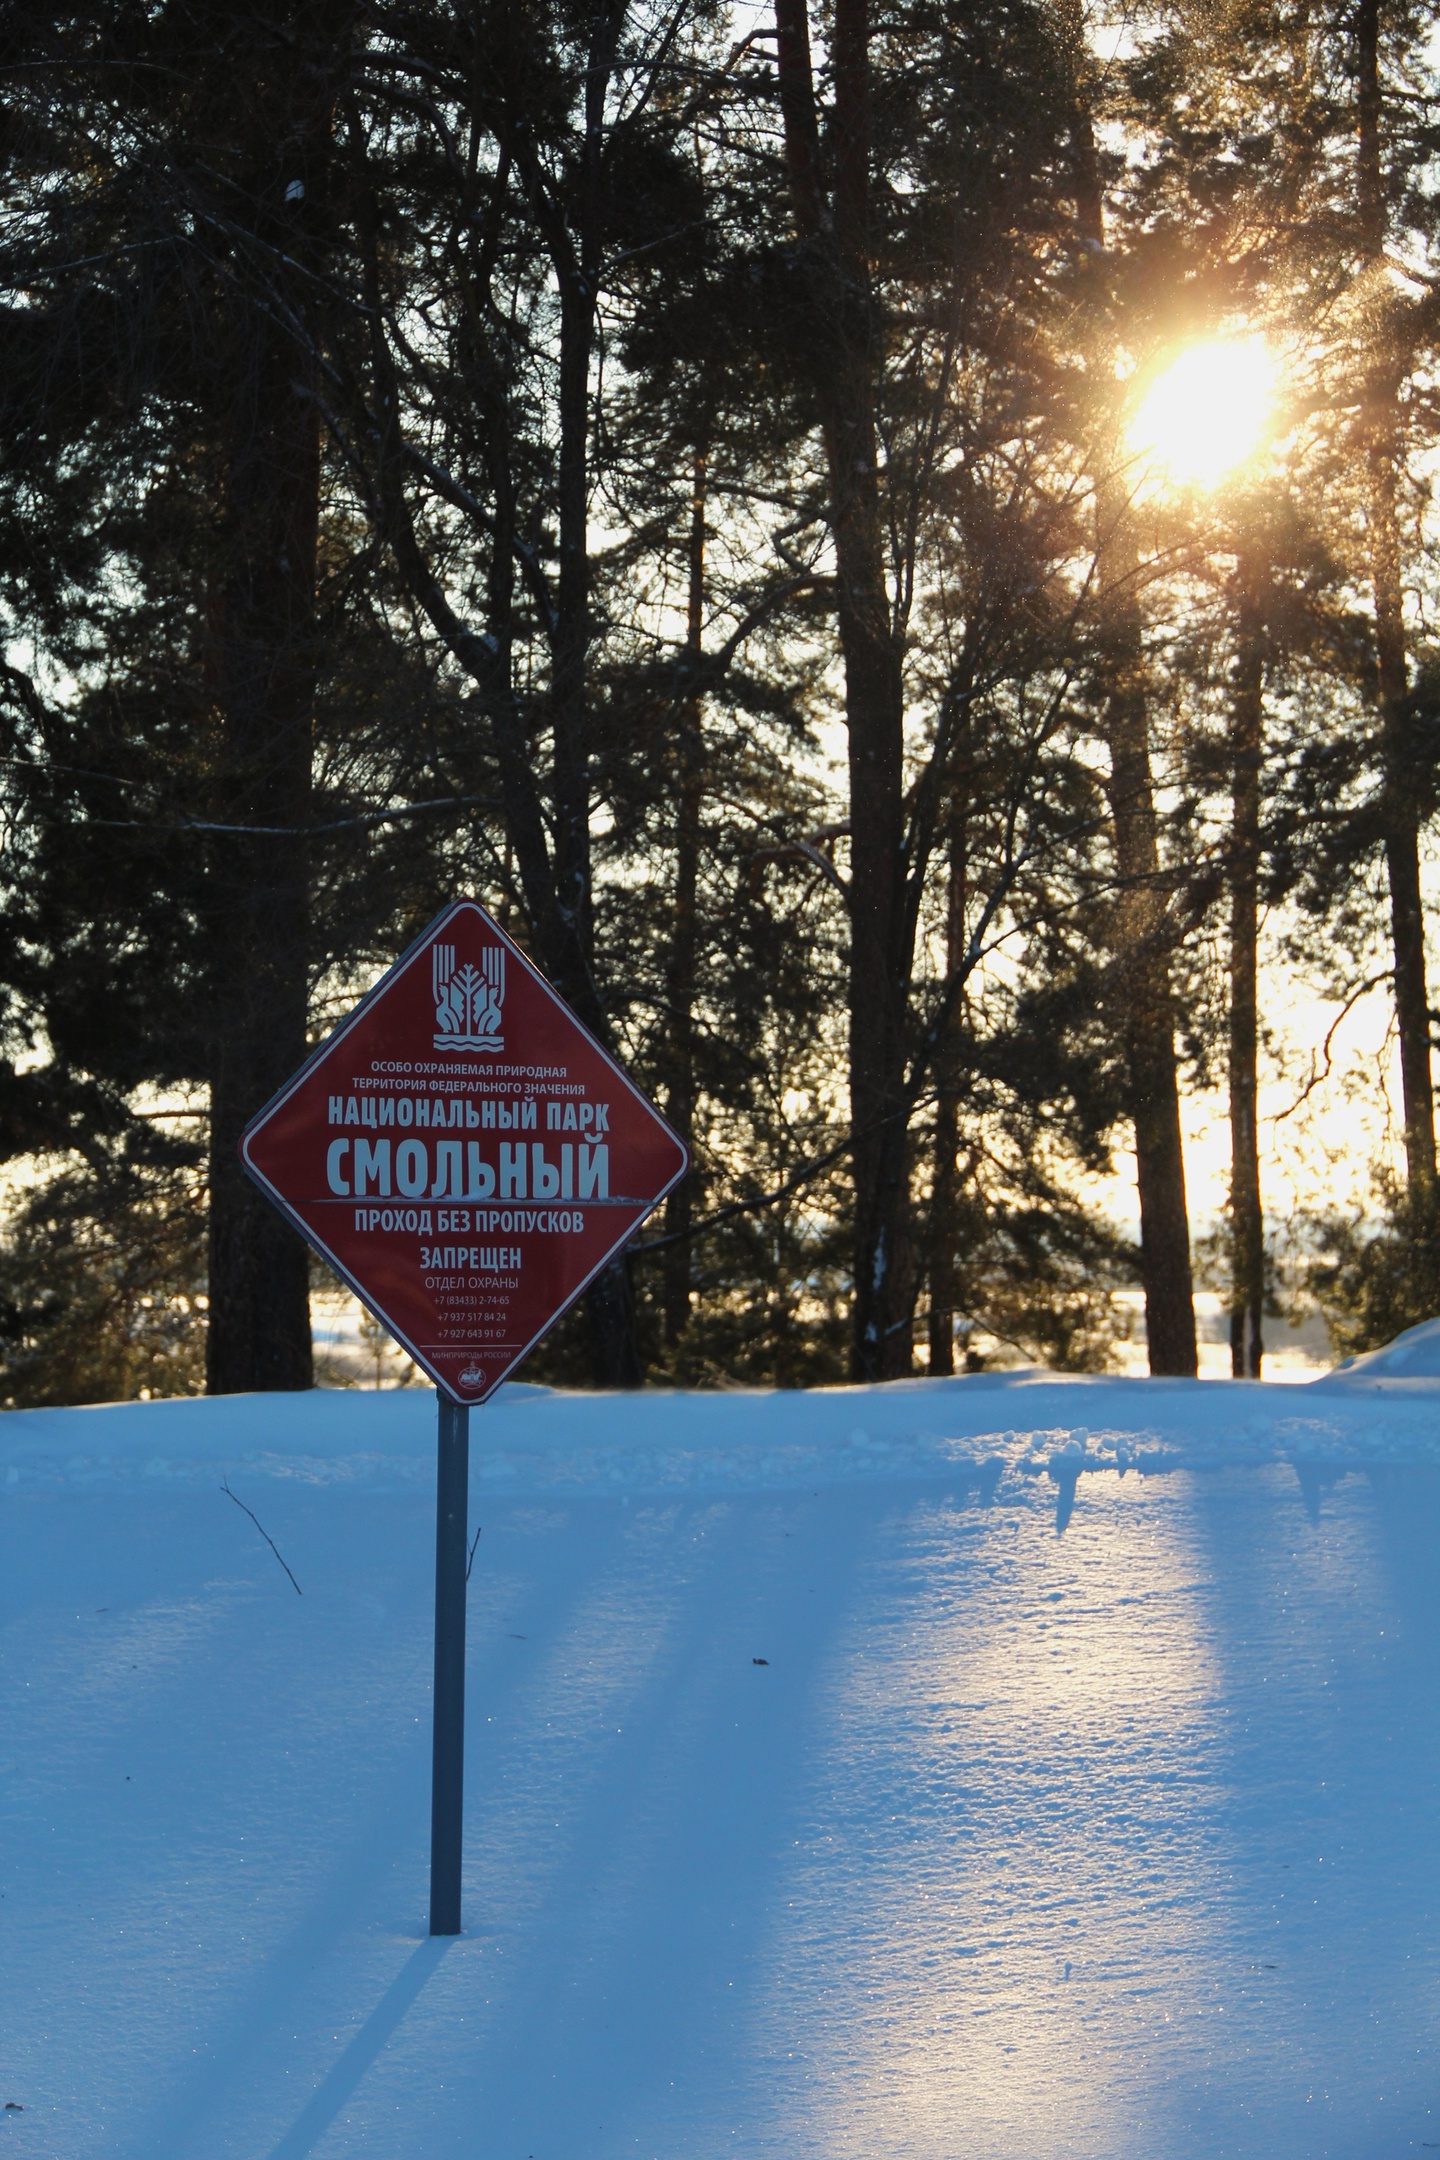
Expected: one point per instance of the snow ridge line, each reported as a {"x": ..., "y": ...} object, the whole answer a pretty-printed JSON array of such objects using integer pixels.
[{"x": 993, "y": 1463}]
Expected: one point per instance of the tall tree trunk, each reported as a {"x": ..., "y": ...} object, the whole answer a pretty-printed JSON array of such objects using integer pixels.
[
  {"x": 263, "y": 670},
  {"x": 570, "y": 645},
  {"x": 610, "y": 1300},
  {"x": 681, "y": 963},
  {"x": 1247, "y": 1221},
  {"x": 1382, "y": 458},
  {"x": 1143, "y": 983},
  {"x": 945, "y": 1177},
  {"x": 1142, "y": 961},
  {"x": 834, "y": 236},
  {"x": 576, "y": 256}
]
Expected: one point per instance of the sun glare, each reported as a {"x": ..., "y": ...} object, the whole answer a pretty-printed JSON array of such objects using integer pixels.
[{"x": 1207, "y": 413}]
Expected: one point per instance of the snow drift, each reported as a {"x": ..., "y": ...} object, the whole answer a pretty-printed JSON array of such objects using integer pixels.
[{"x": 1012, "y": 1767}]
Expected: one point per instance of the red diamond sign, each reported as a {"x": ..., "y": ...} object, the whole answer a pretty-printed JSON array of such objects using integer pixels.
[{"x": 463, "y": 1153}]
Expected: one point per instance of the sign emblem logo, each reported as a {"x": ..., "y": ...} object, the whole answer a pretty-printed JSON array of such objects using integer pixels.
[{"x": 468, "y": 999}]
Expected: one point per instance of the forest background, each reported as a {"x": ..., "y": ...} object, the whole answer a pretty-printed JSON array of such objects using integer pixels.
[{"x": 889, "y": 541}]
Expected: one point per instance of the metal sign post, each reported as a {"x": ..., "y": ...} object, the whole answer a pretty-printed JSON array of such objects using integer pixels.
[
  {"x": 466, "y": 1157},
  {"x": 447, "y": 1775}
]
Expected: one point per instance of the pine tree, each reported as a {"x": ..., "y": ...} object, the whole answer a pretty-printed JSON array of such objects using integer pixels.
[
  {"x": 165, "y": 748},
  {"x": 921, "y": 225}
]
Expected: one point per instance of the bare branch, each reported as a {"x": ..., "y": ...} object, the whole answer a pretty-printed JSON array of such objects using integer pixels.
[{"x": 224, "y": 1487}]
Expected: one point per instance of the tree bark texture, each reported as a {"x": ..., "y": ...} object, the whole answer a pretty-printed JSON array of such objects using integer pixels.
[
  {"x": 262, "y": 672},
  {"x": 833, "y": 234},
  {"x": 1247, "y": 1221},
  {"x": 259, "y": 1325},
  {"x": 1381, "y": 425}
]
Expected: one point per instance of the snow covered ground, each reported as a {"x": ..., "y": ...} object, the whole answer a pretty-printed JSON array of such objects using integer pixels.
[{"x": 997, "y": 1769}]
